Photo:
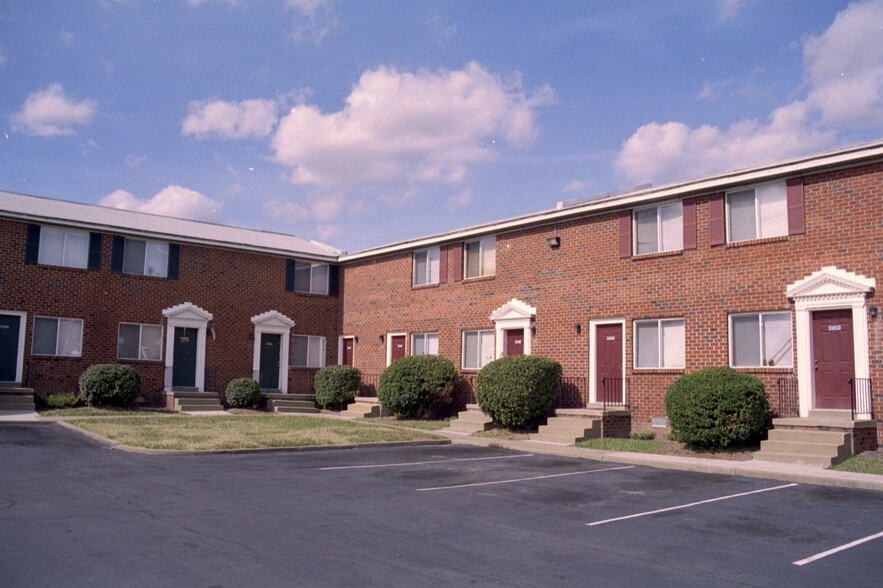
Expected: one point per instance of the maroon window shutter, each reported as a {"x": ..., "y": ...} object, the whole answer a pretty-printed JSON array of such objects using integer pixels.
[
  {"x": 689, "y": 223},
  {"x": 716, "y": 233},
  {"x": 457, "y": 254},
  {"x": 625, "y": 233},
  {"x": 796, "y": 223},
  {"x": 443, "y": 264}
]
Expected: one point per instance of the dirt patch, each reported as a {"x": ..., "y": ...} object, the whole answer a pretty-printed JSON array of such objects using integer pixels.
[{"x": 680, "y": 449}]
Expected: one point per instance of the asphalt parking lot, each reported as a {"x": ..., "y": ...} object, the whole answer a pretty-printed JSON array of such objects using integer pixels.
[{"x": 75, "y": 513}]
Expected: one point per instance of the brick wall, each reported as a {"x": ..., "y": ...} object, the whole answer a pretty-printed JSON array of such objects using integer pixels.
[
  {"x": 233, "y": 285},
  {"x": 585, "y": 280}
]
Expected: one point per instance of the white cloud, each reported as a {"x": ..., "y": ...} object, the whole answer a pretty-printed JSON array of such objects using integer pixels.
[
  {"x": 440, "y": 28},
  {"x": 400, "y": 127},
  {"x": 574, "y": 186},
  {"x": 728, "y": 9},
  {"x": 306, "y": 7},
  {"x": 49, "y": 113},
  {"x": 461, "y": 200},
  {"x": 133, "y": 160},
  {"x": 66, "y": 38},
  {"x": 844, "y": 71},
  {"x": 229, "y": 120},
  {"x": 328, "y": 232},
  {"x": 313, "y": 20},
  {"x": 174, "y": 201},
  {"x": 288, "y": 212},
  {"x": 326, "y": 208},
  {"x": 230, "y": 3}
]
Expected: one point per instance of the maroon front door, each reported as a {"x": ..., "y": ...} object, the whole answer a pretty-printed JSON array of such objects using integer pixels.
[
  {"x": 397, "y": 347},
  {"x": 515, "y": 342},
  {"x": 348, "y": 347},
  {"x": 608, "y": 363},
  {"x": 833, "y": 358}
]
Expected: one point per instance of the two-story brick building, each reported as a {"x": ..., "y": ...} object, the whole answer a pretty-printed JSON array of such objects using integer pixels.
[{"x": 771, "y": 270}]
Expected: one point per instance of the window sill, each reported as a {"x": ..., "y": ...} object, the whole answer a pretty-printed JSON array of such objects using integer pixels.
[
  {"x": 425, "y": 286},
  {"x": 57, "y": 357},
  {"x": 139, "y": 361},
  {"x": 316, "y": 294},
  {"x": 479, "y": 279},
  {"x": 642, "y": 256},
  {"x": 763, "y": 241},
  {"x": 764, "y": 370},
  {"x": 662, "y": 371}
]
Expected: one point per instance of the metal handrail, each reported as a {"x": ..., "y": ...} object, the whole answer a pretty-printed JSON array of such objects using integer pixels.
[
  {"x": 861, "y": 396},
  {"x": 615, "y": 384}
]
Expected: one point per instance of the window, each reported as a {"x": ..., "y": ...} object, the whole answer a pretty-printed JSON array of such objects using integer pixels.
[
  {"x": 424, "y": 344},
  {"x": 478, "y": 349},
  {"x": 761, "y": 339},
  {"x": 426, "y": 267},
  {"x": 58, "y": 336},
  {"x": 311, "y": 278},
  {"x": 660, "y": 228},
  {"x": 757, "y": 213},
  {"x": 146, "y": 258},
  {"x": 659, "y": 343},
  {"x": 307, "y": 351},
  {"x": 481, "y": 257},
  {"x": 63, "y": 247},
  {"x": 136, "y": 341}
]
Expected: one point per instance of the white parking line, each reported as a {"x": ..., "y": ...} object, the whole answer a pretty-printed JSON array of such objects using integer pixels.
[
  {"x": 512, "y": 481},
  {"x": 653, "y": 512},
  {"x": 819, "y": 556},
  {"x": 433, "y": 462}
]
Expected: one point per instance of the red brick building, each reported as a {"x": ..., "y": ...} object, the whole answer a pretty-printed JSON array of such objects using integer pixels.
[{"x": 770, "y": 270}]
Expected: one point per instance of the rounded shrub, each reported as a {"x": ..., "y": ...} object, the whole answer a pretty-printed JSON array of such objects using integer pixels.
[
  {"x": 717, "y": 407},
  {"x": 109, "y": 384},
  {"x": 518, "y": 391},
  {"x": 243, "y": 393},
  {"x": 336, "y": 385},
  {"x": 417, "y": 385},
  {"x": 61, "y": 400}
]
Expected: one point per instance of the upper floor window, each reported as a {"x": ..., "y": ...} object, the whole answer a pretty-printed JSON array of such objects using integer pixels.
[
  {"x": 659, "y": 343},
  {"x": 757, "y": 213},
  {"x": 761, "y": 340},
  {"x": 311, "y": 278},
  {"x": 58, "y": 336},
  {"x": 426, "y": 267},
  {"x": 63, "y": 247},
  {"x": 659, "y": 228},
  {"x": 424, "y": 344},
  {"x": 307, "y": 351},
  {"x": 135, "y": 341},
  {"x": 146, "y": 258},
  {"x": 481, "y": 257},
  {"x": 478, "y": 349}
]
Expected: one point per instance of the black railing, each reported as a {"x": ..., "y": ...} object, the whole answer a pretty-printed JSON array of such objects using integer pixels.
[
  {"x": 788, "y": 399},
  {"x": 267, "y": 379},
  {"x": 614, "y": 392},
  {"x": 368, "y": 387},
  {"x": 862, "y": 397}
]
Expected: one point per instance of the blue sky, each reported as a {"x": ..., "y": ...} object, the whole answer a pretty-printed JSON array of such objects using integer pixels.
[{"x": 369, "y": 122}]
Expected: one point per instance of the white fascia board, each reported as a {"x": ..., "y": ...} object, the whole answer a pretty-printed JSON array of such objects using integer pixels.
[{"x": 832, "y": 160}]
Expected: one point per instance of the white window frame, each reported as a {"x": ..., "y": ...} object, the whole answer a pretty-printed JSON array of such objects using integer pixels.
[
  {"x": 323, "y": 343},
  {"x": 782, "y": 191},
  {"x": 679, "y": 204},
  {"x": 490, "y": 357},
  {"x": 58, "y": 321},
  {"x": 65, "y": 250},
  {"x": 141, "y": 348},
  {"x": 424, "y": 337},
  {"x": 485, "y": 244},
  {"x": 760, "y": 332},
  {"x": 660, "y": 343},
  {"x": 389, "y": 338},
  {"x": 317, "y": 286},
  {"x": 147, "y": 244},
  {"x": 433, "y": 254}
]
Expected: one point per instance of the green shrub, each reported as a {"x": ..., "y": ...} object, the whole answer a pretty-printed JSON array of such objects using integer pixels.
[
  {"x": 417, "y": 385},
  {"x": 336, "y": 385},
  {"x": 109, "y": 384},
  {"x": 243, "y": 393},
  {"x": 61, "y": 400},
  {"x": 518, "y": 391},
  {"x": 717, "y": 407},
  {"x": 642, "y": 435}
]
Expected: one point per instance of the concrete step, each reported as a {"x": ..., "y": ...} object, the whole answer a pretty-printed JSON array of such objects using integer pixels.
[
  {"x": 17, "y": 399},
  {"x": 293, "y": 404},
  {"x": 18, "y": 407},
  {"x": 798, "y": 448},
  {"x": 567, "y": 430},
  {"x": 791, "y": 458},
  {"x": 556, "y": 439},
  {"x": 805, "y": 446},
  {"x": 471, "y": 420},
  {"x": 805, "y": 436},
  {"x": 363, "y": 408},
  {"x": 295, "y": 410},
  {"x": 835, "y": 415},
  {"x": 198, "y": 407},
  {"x": 196, "y": 401}
]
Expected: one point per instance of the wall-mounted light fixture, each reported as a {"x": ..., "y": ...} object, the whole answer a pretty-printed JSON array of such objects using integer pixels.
[
  {"x": 554, "y": 241},
  {"x": 251, "y": 336},
  {"x": 579, "y": 328},
  {"x": 533, "y": 330},
  {"x": 356, "y": 339},
  {"x": 381, "y": 338},
  {"x": 873, "y": 312}
]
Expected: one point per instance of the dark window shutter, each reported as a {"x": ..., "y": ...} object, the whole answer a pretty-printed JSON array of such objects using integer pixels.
[
  {"x": 796, "y": 222},
  {"x": 443, "y": 265},
  {"x": 625, "y": 233},
  {"x": 289, "y": 275},
  {"x": 32, "y": 250},
  {"x": 333, "y": 280},
  {"x": 94, "y": 251},
  {"x": 457, "y": 254},
  {"x": 116, "y": 258},
  {"x": 174, "y": 261},
  {"x": 716, "y": 221},
  {"x": 690, "y": 223}
]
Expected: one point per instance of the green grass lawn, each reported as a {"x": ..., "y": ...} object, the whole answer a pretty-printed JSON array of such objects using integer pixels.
[
  {"x": 425, "y": 425},
  {"x": 862, "y": 464},
  {"x": 188, "y": 433},
  {"x": 629, "y": 445},
  {"x": 89, "y": 411}
]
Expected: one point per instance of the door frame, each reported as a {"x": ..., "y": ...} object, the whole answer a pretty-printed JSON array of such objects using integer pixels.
[
  {"x": 513, "y": 315},
  {"x": 20, "y": 361},
  {"x": 830, "y": 288},
  {"x": 593, "y": 351},
  {"x": 273, "y": 322},
  {"x": 188, "y": 316},
  {"x": 389, "y": 337},
  {"x": 340, "y": 344}
]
